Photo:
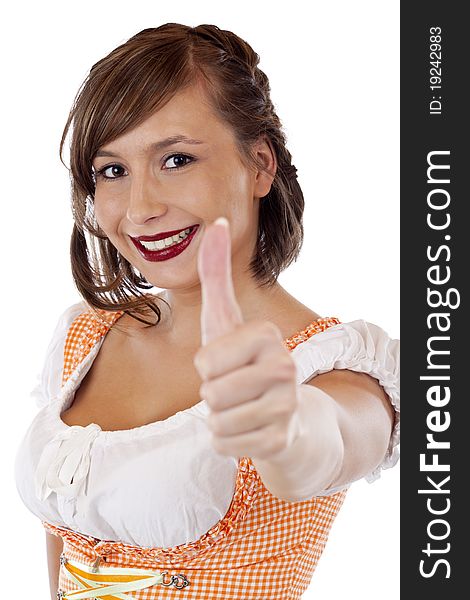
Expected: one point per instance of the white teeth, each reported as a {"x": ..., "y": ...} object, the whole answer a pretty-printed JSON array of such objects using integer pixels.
[{"x": 166, "y": 242}]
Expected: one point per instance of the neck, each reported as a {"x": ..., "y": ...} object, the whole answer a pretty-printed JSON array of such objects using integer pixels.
[{"x": 184, "y": 314}]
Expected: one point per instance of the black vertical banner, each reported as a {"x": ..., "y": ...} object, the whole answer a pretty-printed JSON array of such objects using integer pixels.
[{"x": 435, "y": 331}]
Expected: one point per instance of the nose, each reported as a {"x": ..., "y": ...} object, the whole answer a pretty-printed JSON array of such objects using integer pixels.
[{"x": 144, "y": 202}]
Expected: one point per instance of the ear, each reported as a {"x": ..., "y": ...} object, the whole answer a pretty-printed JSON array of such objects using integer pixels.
[{"x": 264, "y": 153}]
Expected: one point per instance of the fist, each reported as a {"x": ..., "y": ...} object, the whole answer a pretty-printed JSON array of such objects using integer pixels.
[{"x": 249, "y": 376}]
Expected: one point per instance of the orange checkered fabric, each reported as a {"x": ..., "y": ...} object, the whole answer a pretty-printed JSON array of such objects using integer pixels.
[{"x": 263, "y": 548}]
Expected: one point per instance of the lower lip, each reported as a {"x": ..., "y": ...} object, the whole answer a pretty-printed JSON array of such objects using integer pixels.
[{"x": 165, "y": 253}]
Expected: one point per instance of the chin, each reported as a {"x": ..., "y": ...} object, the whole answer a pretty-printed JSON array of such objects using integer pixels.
[{"x": 179, "y": 282}]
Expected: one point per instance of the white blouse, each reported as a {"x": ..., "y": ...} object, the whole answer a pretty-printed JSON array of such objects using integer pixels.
[{"x": 161, "y": 484}]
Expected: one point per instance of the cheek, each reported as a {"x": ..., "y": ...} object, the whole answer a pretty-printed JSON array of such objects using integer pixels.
[
  {"x": 222, "y": 187},
  {"x": 105, "y": 215},
  {"x": 202, "y": 196},
  {"x": 239, "y": 194}
]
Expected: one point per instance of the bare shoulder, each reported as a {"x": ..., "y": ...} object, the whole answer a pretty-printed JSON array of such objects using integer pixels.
[{"x": 291, "y": 316}]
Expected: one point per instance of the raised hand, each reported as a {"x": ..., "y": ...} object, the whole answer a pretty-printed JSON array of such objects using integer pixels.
[{"x": 249, "y": 377}]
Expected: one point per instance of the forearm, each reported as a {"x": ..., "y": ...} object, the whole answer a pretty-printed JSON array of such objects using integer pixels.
[
  {"x": 344, "y": 426},
  {"x": 315, "y": 458},
  {"x": 54, "y": 547}
]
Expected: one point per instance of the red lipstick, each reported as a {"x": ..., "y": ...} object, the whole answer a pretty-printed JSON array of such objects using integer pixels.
[
  {"x": 159, "y": 236},
  {"x": 164, "y": 253}
]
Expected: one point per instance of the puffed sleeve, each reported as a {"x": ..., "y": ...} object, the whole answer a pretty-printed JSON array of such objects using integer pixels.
[
  {"x": 49, "y": 380},
  {"x": 363, "y": 347}
]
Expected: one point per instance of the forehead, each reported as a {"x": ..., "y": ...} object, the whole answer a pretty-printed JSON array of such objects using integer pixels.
[{"x": 188, "y": 113}]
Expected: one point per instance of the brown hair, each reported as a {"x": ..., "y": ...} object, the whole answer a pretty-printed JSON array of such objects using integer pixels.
[{"x": 126, "y": 87}]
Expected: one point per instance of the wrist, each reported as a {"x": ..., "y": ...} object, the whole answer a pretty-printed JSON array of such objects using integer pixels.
[{"x": 313, "y": 461}]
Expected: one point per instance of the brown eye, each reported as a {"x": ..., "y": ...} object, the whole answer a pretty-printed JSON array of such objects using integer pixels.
[
  {"x": 176, "y": 161},
  {"x": 110, "y": 172}
]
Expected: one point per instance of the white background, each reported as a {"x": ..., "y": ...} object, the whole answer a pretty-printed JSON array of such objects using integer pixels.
[{"x": 334, "y": 74}]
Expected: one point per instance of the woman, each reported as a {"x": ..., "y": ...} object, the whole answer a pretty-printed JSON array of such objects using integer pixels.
[{"x": 201, "y": 439}]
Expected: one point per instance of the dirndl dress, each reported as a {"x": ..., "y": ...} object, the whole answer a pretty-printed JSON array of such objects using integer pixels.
[{"x": 263, "y": 548}]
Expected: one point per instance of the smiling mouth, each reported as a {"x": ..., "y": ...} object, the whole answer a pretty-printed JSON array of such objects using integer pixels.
[
  {"x": 165, "y": 248},
  {"x": 167, "y": 242}
]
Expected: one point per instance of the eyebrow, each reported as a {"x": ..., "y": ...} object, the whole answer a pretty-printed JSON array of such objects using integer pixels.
[{"x": 169, "y": 141}]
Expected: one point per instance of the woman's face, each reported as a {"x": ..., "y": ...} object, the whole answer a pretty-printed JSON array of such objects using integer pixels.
[{"x": 179, "y": 169}]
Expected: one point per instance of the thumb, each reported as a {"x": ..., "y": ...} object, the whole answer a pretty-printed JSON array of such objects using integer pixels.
[{"x": 220, "y": 312}]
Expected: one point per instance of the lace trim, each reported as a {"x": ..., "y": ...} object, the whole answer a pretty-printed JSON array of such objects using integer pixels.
[
  {"x": 84, "y": 332},
  {"x": 88, "y": 330},
  {"x": 316, "y": 327},
  {"x": 246, "y": 491}
]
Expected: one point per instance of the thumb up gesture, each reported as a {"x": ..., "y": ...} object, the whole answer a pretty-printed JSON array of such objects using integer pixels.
[{"x": 249, "y": 377}]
